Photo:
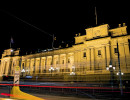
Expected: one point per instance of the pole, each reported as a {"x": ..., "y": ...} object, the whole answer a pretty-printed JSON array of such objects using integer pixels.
[
  {"x": 121, "y": 85},
  {"x": 96, "y": 15},
  {"x": 53, "y": 41}
]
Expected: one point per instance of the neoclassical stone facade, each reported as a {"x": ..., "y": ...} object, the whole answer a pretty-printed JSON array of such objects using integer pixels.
[{"x": 90, "y": 55}]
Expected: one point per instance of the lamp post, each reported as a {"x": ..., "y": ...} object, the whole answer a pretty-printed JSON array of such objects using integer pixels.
[
  {"x": 51, "y": 70},
  {"x": 23, "y": 71},
  {"x": 111, "y": 69},
  {"x": 121, "y": 85}
]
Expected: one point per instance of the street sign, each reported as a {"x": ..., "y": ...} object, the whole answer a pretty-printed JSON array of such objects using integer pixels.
[{"x": 16, "y": 75}]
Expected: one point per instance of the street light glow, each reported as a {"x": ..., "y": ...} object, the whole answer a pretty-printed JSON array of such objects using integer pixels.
[
  {"x": 107, "y": 68},
  {"x": 110, "y": 66},
  {"x": 114, "y": 68},
  {"x": 72, "y": 73},
  {"x": 12, "y": 50},
  {"x": 122, "y": 73},
  {"x": 23, "y": 70}
]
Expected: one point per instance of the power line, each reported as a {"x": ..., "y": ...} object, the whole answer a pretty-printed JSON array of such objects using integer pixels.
[
  {"x": 27, "y": 23},
  {"x": 96, "y": 15}
]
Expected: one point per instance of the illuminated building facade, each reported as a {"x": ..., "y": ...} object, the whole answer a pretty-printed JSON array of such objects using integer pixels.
[{"x": 87, "y": 60}]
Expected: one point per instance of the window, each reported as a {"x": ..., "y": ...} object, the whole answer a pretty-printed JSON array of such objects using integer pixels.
[
  {"x": 62, "y": 61},
  {"x": 84, "y": 54},
  {"x": 99, "y": 52},
  {"x": 68, "y": 60},
  {"x": 115, "y": 50}
]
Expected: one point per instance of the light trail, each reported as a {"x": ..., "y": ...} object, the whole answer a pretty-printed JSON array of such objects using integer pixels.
[{"x": 61, "y": 86}]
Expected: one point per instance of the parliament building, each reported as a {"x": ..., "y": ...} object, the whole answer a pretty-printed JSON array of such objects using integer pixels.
[{"x": 100, "y": 55}]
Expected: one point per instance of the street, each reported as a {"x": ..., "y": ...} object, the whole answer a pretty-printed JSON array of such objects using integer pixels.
[{"x": 44, "y": 96}]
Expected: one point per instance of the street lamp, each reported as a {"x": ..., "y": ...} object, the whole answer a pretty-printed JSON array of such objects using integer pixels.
[
  {"x": 72, "y": 73},
  {"x": 23, "y": 71},
  {"x": 111, "y": 69},
  {"x": 51, "y": 70},
  {"x": 121, "y": 85},
  {"x": 118, "y": 73}
]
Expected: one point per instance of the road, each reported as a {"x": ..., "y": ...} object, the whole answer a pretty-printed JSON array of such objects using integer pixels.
[
  {"x": 83, "y": 84},
  {"x": 66, "y": 93},
  {"x": 44, "y": 96}
]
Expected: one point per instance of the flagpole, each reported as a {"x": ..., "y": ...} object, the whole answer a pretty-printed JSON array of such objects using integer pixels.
[
  {"x": 96, "y": 15},
  {"x": 53, "y": 41},
  {"x": 11, "y": 41}
]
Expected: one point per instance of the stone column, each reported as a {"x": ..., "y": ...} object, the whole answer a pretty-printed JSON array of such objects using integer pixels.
[
  {"x": 67, "y": 64},
  {"x": 40, "y": 66},
  {"x": 25, "y": 67},
  {"x": 58, "y": 63},
  {"x": 79, "y": 62},
  {"x": 75, "y": 60},
  {"x": 1, "y": 69},
  {"x": 103, "y": 63},
  {"x": 47, "y": 64},
  {"x": 4, "y": 67},
  {"x": 44, "y": 65},
  {"x": 31, "y": 66},
  {"x": 108, "y": 55},
  {"x": 88, "y": 59},
  {"x": 37, "y": 65},
  {"x": 34, "y": 66},
  {"x": 92, "y": 59},
  {"x": 122, "y": 57},
  {"x": 7, "y": 68},
  {"x": 12, "y": 67},
  {"x": 127, "y": 54}
]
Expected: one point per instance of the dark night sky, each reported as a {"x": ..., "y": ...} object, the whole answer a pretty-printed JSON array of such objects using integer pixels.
[{"x": 62, "y": 18}]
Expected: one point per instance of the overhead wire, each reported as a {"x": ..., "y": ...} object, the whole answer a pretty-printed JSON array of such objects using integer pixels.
[{"x": 10, "y": 14}]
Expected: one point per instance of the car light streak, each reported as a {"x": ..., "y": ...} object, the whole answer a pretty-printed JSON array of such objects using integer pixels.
[{"x": 61, "y": 87}]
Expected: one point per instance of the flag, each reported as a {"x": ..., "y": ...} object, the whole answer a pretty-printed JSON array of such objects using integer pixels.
[{"x": 11, "y": 41}]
